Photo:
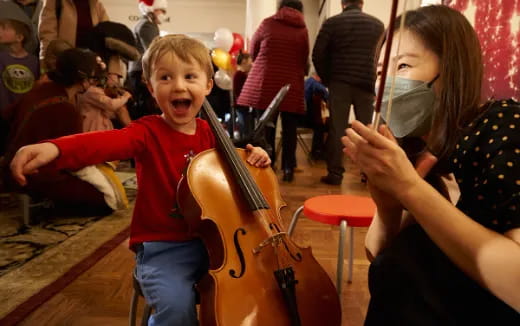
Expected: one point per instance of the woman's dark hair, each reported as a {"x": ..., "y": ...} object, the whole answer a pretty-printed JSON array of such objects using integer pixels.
[
  {"x": 448, "y": 34},
  {"x": 73, "y": 66},
  {"x": 295, "y": 4},
  {"x": 242, "y": 56}
]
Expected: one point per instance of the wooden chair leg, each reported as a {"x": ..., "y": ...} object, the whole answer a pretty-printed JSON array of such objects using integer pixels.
[
  {"x": 133, "y": 308},
  {"x": 146, "y": 314}
]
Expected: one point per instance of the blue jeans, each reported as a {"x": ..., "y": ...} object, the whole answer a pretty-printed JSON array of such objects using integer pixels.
[{"x": 167, "y": 273}]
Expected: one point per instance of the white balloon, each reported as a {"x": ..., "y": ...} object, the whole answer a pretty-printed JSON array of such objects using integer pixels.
[
  {"x": 223, "y": 39},
  {"x": 223, "y": 80}
]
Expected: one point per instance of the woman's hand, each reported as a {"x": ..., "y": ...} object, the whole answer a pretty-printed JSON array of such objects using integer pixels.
[
  {"x": 379, "y": 156},
  {"x": 29, "y": 158},
  {"x": 257, "y": 156}
]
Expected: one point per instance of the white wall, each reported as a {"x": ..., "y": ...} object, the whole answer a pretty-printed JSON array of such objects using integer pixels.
[
  {"x": 312, "y": 20},
  {"x": 256, "y": 11},
  {"x": 187, "y": 16}
]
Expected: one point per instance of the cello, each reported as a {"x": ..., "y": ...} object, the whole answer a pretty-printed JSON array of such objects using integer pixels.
[{"x": 257, "y": 274}]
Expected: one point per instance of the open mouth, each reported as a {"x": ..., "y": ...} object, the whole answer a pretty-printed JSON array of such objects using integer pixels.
[{"x": 181, "y": 104}]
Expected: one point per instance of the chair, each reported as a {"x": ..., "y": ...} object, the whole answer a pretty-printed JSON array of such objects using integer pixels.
[
  {"x": 147, "y": 310},
  {"x": 300, "y": 131},
  {"x": 342, "y": 210}
]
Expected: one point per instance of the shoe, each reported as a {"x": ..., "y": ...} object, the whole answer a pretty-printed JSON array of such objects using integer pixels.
[
  {"x": 288, "y": 175},
  {"x": 331, "y": 180}
]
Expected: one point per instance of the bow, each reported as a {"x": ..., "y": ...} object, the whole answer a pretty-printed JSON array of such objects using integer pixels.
[{"x": 386, "y": 63}]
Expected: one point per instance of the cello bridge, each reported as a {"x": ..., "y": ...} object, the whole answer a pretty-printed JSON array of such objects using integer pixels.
[{"x": 275, "y": 240}]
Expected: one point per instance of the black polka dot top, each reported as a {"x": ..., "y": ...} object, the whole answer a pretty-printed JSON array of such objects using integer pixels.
[{"x": 486, "y": 165}]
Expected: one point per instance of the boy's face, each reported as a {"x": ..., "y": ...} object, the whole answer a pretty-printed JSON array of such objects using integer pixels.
[
  {"x": 179, "y": 88},
  {"x": 8, "y": 35}
]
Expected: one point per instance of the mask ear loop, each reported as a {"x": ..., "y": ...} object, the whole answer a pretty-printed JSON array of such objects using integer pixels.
[
  {"x": 430, "y": 84},
  {"x": 394, "y": 68}
]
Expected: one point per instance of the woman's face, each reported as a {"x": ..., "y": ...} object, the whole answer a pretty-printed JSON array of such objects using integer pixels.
[{"x": 413, "y": 60}]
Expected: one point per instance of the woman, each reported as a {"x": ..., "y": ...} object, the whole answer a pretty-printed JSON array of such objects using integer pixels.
[
  {"x": 280, "y": 48},
  {"x": 49, "y": 111},
  {"x": 434, "y": 263}
]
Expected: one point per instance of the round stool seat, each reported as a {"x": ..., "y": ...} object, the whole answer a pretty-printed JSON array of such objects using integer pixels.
[{"x": 332, "y": 209}]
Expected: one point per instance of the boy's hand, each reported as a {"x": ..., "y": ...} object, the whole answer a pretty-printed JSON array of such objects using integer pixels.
[
  {"x": 257, "y": 156},
  {"x": 29, "y": 158}
]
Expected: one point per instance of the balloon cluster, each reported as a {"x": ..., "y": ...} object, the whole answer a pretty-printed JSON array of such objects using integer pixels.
[{"x": 227, "y": 48}]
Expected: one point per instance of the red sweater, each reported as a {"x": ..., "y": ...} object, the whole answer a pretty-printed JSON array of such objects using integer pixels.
[{"x": 159, "y": 153}]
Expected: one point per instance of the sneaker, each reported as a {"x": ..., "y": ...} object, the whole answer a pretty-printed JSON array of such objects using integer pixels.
[{"x": 331, "y": 180}]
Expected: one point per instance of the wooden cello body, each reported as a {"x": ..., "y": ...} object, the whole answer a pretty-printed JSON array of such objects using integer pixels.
[{"x": 257, "y": 275}]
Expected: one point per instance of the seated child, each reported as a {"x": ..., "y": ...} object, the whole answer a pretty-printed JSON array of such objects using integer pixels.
[
  {"x": 97, "y": 108},
  {"x": 169, "y": 259},
  {"x": 18, "y": 69}
]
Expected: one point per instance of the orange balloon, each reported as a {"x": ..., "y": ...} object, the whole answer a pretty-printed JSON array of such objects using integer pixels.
[{"x": 221, "y": 58}]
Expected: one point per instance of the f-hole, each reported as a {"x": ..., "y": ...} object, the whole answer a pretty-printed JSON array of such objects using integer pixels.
[{"x": 240, "y": 254}]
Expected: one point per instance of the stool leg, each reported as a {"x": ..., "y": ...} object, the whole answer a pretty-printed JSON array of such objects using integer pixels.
[
  {"x": 133, "y": 306},
  {"x": 341, "y": 246},
  {"x": 294, "y": 219},
  {"x": 26, "y": 208},
  {"x": 146, "y": 314},
  {"x": 351, "y": 255}
]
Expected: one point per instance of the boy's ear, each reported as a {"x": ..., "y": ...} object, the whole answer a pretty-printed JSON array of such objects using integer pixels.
[
  {"x": 150, "y": 88},
  {"x": 210, "y": 86}
]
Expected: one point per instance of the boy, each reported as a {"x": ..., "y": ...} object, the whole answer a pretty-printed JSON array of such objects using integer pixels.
[
  {"x": 169, "y": 261},
  {"x": 18, "y": 68},
  {"x": 244, "y": 64}
]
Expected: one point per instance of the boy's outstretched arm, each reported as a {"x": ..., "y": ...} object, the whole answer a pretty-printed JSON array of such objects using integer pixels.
[
  {"x": 29, "y": 158},
  {"x": 257, "y": 156}
]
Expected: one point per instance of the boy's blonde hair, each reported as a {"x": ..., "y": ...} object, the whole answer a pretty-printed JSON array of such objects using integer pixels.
[{"x": 184, "y": 47}]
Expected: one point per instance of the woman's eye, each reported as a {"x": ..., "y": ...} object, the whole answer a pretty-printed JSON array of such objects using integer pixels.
[{"x": 402, "y": 66}]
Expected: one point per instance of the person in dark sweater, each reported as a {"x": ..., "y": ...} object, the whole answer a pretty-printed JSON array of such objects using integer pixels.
[{"x": 344, "y": 56}]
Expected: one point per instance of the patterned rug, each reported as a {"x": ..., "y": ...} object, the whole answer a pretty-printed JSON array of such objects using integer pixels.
[{"x": 35, "y": 259}]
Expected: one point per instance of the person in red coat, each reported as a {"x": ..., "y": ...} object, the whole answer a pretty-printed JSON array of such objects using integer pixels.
[{"x": 280, "y": 49}]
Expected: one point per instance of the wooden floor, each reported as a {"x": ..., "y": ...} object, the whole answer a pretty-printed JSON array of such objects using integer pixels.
[{"x": 101, "y": 296}]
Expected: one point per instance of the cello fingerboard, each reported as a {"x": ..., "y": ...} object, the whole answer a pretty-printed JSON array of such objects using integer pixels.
[{"x": 248, "y": 187}]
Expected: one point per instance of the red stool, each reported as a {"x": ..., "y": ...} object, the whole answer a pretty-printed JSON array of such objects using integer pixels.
[{"x": 342, "y": 210}]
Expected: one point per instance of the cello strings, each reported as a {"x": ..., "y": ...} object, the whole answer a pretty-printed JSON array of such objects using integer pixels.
[{"x": 243, "y": 173}]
